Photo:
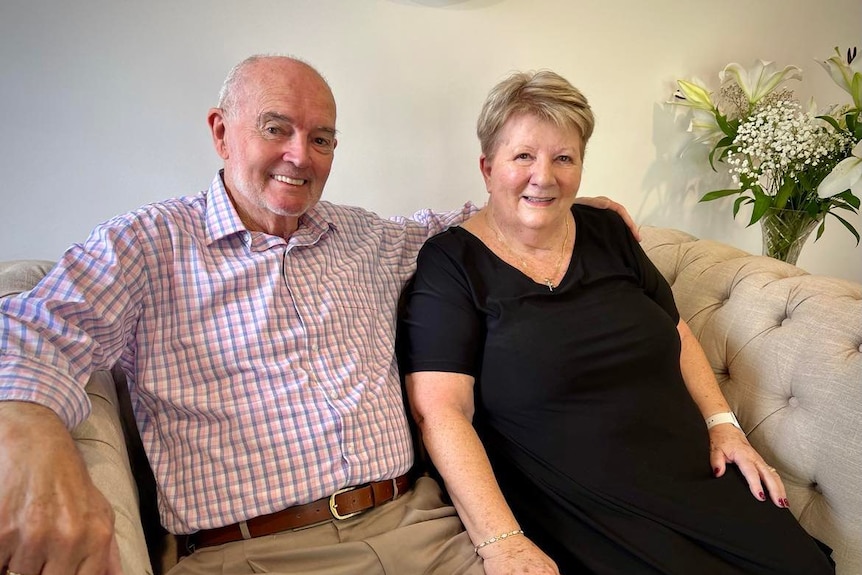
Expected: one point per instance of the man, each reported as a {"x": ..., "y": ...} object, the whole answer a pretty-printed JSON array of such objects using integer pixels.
[{"x": 256, "y": 326}]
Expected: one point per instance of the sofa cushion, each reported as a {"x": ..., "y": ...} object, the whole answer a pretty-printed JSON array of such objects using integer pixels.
[{"x": 21, "y": 275}]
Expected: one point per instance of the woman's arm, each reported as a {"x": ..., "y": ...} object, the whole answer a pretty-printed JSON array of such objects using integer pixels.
[
  {"x": 442, "y": 404},
  {"x": 727, "y": 442}
]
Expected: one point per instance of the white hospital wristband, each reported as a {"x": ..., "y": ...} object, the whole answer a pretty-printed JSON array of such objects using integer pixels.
[{"x": 725, "y": 417}]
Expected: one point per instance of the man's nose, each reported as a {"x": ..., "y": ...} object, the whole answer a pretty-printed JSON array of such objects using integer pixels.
[{"x": 296, "y": 151}]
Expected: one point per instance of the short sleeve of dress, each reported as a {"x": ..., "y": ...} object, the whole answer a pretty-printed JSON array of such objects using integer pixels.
[
  {"x": 439, "y": 327},
  {"x": 652, "y": 281}
]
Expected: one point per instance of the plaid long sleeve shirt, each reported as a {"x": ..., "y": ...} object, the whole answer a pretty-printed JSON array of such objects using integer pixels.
[{"x": 261, "y": 370}]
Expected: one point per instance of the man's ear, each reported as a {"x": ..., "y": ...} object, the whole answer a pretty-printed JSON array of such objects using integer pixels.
[{"x": 215, "y": 119}]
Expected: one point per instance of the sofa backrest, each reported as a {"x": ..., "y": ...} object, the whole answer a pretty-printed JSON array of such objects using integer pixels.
[{"x": 787, "y": 349}]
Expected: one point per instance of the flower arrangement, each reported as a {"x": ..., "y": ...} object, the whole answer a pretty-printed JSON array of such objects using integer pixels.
[{"x": 785, "y": 159}]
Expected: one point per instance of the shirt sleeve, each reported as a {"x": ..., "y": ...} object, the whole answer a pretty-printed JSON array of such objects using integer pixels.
[
  {"x": 75, "y": 321},
  {"x": 435, "y": 222}
]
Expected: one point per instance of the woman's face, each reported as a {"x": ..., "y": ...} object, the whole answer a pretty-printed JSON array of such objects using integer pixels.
[{"x": 534, "y": 173}]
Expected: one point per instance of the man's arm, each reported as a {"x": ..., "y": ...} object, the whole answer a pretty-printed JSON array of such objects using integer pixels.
[
  {"x": 53, "y": 519},
  {"x": 437, "y": 222},
  {"x": 605, "y": 203}
]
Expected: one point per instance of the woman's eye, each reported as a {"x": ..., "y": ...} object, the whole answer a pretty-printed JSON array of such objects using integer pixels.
[
  {"x": 566, "y": 159},
  {"x": 523, "y": 156}
]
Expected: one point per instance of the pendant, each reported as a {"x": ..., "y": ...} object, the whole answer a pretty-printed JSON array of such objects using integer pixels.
[{"x": 549, "y": 284}]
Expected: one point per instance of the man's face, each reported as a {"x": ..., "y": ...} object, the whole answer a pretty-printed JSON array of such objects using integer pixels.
[{"x": 277, "y": 142}]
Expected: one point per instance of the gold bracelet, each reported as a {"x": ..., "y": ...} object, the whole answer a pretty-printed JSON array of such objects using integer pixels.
[{"x": 499, "y": 537}]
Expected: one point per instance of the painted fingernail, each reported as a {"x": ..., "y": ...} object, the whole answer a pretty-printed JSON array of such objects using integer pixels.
[
  {"x": 715, "y": 471},
  {"x": 786, "y": 502},
  {"x": 761, "y": 496}
]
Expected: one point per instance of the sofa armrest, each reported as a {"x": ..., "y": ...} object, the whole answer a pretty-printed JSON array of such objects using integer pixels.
[
  {"x": 102, "y": 443},
  {"x": 786, "y": 348}
]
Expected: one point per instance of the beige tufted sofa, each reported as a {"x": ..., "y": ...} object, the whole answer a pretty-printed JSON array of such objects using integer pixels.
[{"x": 786, "y": 346}]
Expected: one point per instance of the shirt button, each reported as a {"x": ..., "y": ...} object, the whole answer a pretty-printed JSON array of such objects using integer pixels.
[{"x": 333, "y": 396}]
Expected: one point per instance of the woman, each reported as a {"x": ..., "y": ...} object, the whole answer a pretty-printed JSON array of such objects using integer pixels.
[{"x": 557, "y": 391}]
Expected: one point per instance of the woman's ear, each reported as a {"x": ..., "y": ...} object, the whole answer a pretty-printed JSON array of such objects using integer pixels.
[{"x": 485, "y": 168}]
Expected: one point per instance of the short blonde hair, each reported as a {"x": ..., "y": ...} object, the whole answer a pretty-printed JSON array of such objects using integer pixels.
[{"x": 544, "y": 94}]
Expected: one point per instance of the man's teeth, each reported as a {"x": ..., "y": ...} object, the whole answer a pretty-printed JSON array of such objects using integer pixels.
[{"x": 286, "y": 180}]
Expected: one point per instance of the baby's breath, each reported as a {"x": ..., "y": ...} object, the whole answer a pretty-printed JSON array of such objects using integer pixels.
[
  {"x": 782, "y": 158},
  {"x": 779, "y": 140}
]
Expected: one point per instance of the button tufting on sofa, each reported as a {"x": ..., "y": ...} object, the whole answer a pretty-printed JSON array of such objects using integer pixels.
[
  {"x": 733, "y": 302},
  {"x": 778, "y": 340}
]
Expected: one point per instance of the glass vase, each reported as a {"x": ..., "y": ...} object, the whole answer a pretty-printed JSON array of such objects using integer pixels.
[{"x": 785, "y": 232}]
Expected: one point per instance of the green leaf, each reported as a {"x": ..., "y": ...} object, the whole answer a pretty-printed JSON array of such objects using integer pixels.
[
  {"x": 761, "y": 204},
  {"x": 847, "y": 225},
  {"x": 738, "y": 203},
  {"x": 832, "y": 121},
  {"x": 787, "y": 187},
  {"x": 708, "y": 197},
  {"x": 820, "y": 229},
  {"x": 730, "y": 128},
  {"x": 851, "y": 119},
  {"x": 848, "y": 197}
]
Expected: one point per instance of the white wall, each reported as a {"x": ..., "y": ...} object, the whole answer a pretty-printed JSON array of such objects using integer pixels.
[{"x": 103, "y": 102}]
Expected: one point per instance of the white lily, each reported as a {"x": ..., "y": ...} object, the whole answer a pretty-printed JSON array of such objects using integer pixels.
[
  {"x": 694, "y": 95},
  {"x": 848, "y": 75},
  {"x": 761, "y": 79},
  {"x": 705, "y": 127},
  {"x": 843, "y": 176}
]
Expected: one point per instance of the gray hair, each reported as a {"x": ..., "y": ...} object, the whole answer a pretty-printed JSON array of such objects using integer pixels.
[{"x": 230, "y": 90}]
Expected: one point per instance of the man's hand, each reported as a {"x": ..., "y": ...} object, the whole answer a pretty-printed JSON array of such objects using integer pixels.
[
  {"x": 729, "y": 445},
  {"x": 517, "y": 555},
  {"x": 53, "y": 519},
  {"x": 606, "y": 203}
]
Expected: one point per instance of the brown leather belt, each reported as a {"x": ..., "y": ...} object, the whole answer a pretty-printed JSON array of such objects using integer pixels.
[{"x": 342, "y": 504}]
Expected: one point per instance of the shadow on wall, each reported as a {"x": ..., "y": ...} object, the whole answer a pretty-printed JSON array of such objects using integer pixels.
[{"x": 679, "y": 176}]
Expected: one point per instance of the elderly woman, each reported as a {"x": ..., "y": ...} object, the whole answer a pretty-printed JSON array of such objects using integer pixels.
[{"x": 570, "y": 411}]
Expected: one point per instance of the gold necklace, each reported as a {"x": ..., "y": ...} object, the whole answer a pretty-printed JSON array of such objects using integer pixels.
[{"x": 548, "y": 281}]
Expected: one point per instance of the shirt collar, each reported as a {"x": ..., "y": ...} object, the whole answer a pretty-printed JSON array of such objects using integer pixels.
[{"x": 222, "y": 219}]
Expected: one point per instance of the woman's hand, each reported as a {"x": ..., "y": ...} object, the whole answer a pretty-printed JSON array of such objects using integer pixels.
[
  {"x": 728, "y": 444},
  {"x": 517, "y": 555}
]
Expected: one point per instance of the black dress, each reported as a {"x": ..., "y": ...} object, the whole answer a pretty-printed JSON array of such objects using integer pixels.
[{"x": 593, "y": 437}]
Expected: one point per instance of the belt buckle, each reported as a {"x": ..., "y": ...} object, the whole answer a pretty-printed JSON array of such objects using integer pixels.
[{"x": 333, "y": 506}]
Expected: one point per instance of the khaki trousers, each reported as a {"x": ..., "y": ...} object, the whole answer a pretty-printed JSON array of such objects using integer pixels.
[{"x": 415, "y": 534}]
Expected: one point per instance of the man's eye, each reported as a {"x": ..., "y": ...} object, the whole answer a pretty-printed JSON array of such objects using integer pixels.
[
  {"x": 323, "y": 144},
  {"x": 272, "y": 130}
]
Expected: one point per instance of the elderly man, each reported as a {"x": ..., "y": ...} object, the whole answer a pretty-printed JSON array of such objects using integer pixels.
[{"x": 256, "y": 326}]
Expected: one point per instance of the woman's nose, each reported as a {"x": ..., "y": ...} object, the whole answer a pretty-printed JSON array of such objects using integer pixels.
[{"x": 543, "y": 172}]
